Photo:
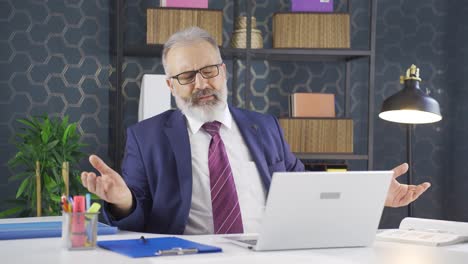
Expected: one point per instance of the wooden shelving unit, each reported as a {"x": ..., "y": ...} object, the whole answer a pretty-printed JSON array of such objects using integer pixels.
[{"x": 247, "y": 55}]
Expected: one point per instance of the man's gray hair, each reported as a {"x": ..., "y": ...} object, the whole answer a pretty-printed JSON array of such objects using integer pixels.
[{"x": 187, "y": 36}]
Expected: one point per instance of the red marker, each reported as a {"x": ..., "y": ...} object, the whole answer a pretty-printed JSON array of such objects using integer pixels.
[
  {"x": 79, "y": 204},
  {"x": 78, "y": 222}
]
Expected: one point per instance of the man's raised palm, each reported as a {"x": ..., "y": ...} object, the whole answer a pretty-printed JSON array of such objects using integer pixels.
[{"x": 403, "y": 194}]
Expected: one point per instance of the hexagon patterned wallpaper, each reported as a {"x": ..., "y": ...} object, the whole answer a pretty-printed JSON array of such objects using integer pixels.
[
  {"x": 55, "y": 58},
  {"x": 414, "y": 32}
]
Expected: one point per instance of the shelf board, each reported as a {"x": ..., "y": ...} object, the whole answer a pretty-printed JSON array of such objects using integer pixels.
[
  {"x": 309, "y": 54},
  {"x": 330, "y": 156},
  {"x": 143, "y": 50},
  {"x": 156, "y": 51},
  {"x": 263, "y": 54}
]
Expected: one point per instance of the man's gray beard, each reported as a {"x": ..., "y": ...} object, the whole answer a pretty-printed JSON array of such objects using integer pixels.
[{"x": 204, "y": 113}]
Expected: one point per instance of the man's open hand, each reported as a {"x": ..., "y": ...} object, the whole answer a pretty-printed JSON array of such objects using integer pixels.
[
  {"x": 109, "y": 186},
  {"x": 403, "y": 194}
]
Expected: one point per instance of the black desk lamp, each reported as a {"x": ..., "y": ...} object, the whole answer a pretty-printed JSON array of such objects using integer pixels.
[{"x": 410, "y": 106}]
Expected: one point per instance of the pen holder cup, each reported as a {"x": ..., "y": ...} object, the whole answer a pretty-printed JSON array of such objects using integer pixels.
[{"x": 79, "y": 230}]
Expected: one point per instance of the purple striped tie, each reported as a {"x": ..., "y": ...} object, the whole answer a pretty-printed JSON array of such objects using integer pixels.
[{"x": 227, "y": 216}]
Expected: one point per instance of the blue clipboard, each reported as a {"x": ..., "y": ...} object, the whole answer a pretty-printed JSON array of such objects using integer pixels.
[
  {"x": 161, "y": 246},
  {"x": 42, "y": 229}
]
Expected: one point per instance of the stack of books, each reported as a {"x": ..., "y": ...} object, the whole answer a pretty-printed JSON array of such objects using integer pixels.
[{"x": 313, "y": 127}]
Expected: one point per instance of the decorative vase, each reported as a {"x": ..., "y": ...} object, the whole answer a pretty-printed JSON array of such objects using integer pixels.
[{"x": 239, "y": 36}]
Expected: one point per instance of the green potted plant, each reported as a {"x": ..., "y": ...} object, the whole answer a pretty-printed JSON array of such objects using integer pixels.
[{"x": 48, "y": 151}]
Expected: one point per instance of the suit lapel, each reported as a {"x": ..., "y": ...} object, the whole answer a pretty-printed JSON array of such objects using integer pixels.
[
  {"x": 176, "y": 132},
  {"x": 252, "y": 134}
]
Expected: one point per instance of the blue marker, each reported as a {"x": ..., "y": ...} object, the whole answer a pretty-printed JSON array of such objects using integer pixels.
[
  {"x": 88, "y": 201},
  {"x": 70, "y": 200}
]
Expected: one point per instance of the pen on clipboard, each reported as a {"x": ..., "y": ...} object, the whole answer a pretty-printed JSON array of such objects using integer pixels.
[{"x": 173, "y": 251}]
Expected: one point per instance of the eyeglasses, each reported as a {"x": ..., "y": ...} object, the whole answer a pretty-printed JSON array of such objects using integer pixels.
[{"x": 206, "y": 72}]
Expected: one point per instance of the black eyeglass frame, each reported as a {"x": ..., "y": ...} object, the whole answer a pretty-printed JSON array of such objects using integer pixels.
[{"x": 195, "y": 73}]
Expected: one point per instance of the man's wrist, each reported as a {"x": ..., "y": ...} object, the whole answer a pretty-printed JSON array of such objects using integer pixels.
[{"x": 121, "y": 210}]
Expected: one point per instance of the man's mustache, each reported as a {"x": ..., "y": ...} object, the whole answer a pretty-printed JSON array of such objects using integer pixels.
[{"x": 205, "y": 92}]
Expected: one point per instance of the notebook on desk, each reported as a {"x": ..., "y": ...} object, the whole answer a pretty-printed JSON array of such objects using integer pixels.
[
  {"x": 430, "y": 232},
  {"x": 320, "y": 210},
  {"x": 24, "y": 230}
]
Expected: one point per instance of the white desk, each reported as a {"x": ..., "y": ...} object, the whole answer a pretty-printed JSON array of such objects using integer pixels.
[{"x": 50, "y": 251}]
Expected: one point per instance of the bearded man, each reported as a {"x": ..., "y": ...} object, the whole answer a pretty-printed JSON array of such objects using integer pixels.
[{"x": 205, "y": 168}]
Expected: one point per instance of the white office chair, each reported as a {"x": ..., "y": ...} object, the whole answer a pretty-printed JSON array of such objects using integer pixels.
[{"x": 155, "y": 96}]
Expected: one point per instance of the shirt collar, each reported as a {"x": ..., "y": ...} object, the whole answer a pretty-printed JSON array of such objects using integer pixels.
[{"x": 224, "y": 117}]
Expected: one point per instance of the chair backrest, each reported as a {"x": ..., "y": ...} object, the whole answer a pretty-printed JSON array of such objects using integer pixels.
[{"x": 155, "y": 96}]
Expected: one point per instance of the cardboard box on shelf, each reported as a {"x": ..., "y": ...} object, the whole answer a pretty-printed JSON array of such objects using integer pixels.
[
  {"x": 163, "y": 22},
  {"x": 312, "y": 105}
]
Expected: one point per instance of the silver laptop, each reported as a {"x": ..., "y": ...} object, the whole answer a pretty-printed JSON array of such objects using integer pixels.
[{"x": 320, "y": 210}]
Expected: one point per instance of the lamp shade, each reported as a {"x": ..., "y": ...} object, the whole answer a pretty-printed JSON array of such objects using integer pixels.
[{"x": 411, "y": 105}]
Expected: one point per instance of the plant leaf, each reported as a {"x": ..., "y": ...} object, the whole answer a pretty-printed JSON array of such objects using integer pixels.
[
  {"x": 67, "y": 132},
  {"x": 44, "y": 136},
  {"x": 49, "y": 183},
  {"x": 56, "y": 198},
  {"x": 22, "y": 186},
  {"x": 19, "y": 176},
  {"x": 11, "y": 211},
  {"x": 64, "y": 122},
  {"x": 28, "y": 123},
  {"x": 51, "y": 145},
  {"x": 57, "y": 156}
]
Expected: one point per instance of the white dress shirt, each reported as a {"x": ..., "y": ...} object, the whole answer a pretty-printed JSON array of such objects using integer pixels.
[{"x": 249, "y": 186}]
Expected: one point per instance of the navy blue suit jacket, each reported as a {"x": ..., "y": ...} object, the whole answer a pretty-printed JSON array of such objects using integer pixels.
[{"x": 157, "y": 166}]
